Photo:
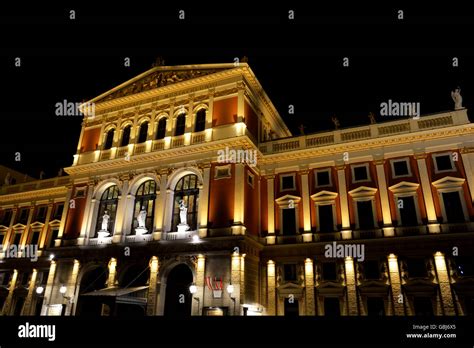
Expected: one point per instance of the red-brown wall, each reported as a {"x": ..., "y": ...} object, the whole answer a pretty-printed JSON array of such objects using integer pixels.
[
  {"x": 221, "y": 200},
  {"x": 224, "y": 111},
  {"x": 90, "y": 139}
]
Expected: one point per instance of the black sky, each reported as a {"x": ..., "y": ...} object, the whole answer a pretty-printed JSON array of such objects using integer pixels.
[{"x": 297, "y": 62}]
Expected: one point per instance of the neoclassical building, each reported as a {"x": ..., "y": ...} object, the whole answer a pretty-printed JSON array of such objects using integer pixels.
[{"x": 164, "y": 211}]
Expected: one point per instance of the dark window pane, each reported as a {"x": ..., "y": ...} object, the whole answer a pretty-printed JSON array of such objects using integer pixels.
[
  {"x": 406, "y": 207},
  {"x": 289, "y": 271},
  {"x": 58, "y": 212},
  {"x": 17, "y": 239},
  {"x": 400, "y": 168},
  {"x": 465, "y": 266},
  {"x": 289, "y": 222},
  {"x": 443, "y": 162},
  {"x": 180, "y": 125},
  {"x": 360, "y": 173},
  {"x": 323, "y": 178},
  {"x": 326, "y": 219},
  {"x": 331, "y": 307},
  {"x": 329, "y": 271},
  {"x": 35, "y": 238},
  {"x": 416, "y": 268},
  {"x": 375, "y": 306},
  {"x": 109, "y": 140},
  {"x": 161, "y": 131},
  {"x": 453, "y": 207},
  {"x": 291, "y": 307},
  {"x": 365, "y": 214},
  {"x": 200, "y": 120},
  {"x": 423, "y": 306},
  {"x": 52, "y": 238},
  {"x": 6, "y": 217},
  {"x": 371, "y": 270},
  {"x": 126, "y": 136},
  {"x": 287, "y": 182},
  {"x": 143, "y": 132}
]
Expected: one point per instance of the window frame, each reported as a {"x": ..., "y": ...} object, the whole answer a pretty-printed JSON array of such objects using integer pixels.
[
  {"x": 434, "y": 156},
  {"x": 326, "y": 170},
  {"x": 367, "y": 171},
  {"x": 293, "y": 176},
  {"x": 392, "y": 166}
]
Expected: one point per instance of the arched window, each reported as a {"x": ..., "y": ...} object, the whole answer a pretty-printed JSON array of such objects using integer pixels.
[
  {"x": 109, "y": 139},
  {"x": 108, "y": 203},
  {"x": 161, "y": 131},
  {"x": 142, "y": 135},
  {"x": 200, "y": 120},
  {"x": 180, "y": 125},
  {"x": 126, "y": 136},
  {"x": 145, "y": 197},
  {"x": 186, "y": 190}
]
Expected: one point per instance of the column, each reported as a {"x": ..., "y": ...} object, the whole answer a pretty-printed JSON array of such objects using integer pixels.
[
  {"x": 89, "y": 211},
  {"x": 160, "y": 206},
  {"x": 426, "y": 188},
  {"x": 49, "y": 288},
  {"x": 235, "y": 271},
  {"x": 444, "y": 284},
  {"x": 44, "y": 231},
  {"x": 271, "y": 209},
  {"x": 397, "y": 294},
  {"x": 120, "y": 224},
  {"x": 271, "y": 288},
  {"x": 238, "y": 228},
  {"x": 341, "y": 180},
  {"x": 309, "y": 287},
  {"x": 27, "y": 227},
  {"x": 209, "y": 115},
  {"x": 307, "y": 236},
  {"x": 31, "y": 291},
  {"x": 151, "y": 296},
  {"x": 204, "y": 200},
  {"x": 8, "y": 234},
  {"x": 69, "y": 296},
  {"x": 384, "y": 200},
  {"x": 240, "y": 101},
  {"x": 8, "y": 301},
  {"x": 351, "y": 286},
  {"x": 467, "y": 155},
  {"x": 200, "y": 283}
]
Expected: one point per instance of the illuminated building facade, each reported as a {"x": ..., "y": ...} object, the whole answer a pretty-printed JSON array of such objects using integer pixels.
[{"x": 195, "y": 225}]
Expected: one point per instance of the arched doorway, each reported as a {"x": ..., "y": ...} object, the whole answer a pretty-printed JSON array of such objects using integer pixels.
[
  {"x": 133, "y": 283},
  {"x": 91, "y": 306},
  {"x": 178, "y": 300}
]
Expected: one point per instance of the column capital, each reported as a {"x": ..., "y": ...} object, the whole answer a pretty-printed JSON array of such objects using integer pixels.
[
  {"x": 466, "y": 150},
  {"x": 379, "y": 162},
  {"x": 270, "y": 176}
]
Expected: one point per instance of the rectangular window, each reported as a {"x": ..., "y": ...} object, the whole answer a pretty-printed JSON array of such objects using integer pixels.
[
  {"x": 400, "y": 168},
  {"x": 2, "y": 238},
  {"x": 222, "y": 172},
  {"x": 329, "y": 271},
  {"x": 360, "y": 173},
  {"x": 35, "y": 238},
  {"x": 289, "y": 222},
  {"x": 443, "y": 163},
  {"x": 289, "y": 272},
  {"x": 291, "y": 307},
  {"x": 53, "y": 237},
  {"x": 453, "y": 207},
  {"x": 23, "y": 216},
  {"x": 5, "y": 278},
  {"x": 371, "y": 270},
  {"x": 58, "y": 211},
  {"x": 331, "y": 307},
  {"x": 250, "y": 179},
  {"x": 407, "y": 209},
  {"x": 365, "y": 214},
  {"x": 6, "y": 217},
  {"x": 465, "y": 266},
  {"x": 416, "y": 268},
  {"x": 423, "y": 306},
  {"x": 17, "y": 238},
  {"x": 41, "y": 213},
  {"x": 323, "y": 178},
  {"x": 287, "y": 182},
  {"x": 25, "y": 279},
  {"x": 375, "y": 306},
  {"x": 326, "y": 218}
]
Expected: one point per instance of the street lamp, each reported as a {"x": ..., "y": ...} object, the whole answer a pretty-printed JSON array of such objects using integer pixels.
[
  {"x": 39, "y": 290},
  {"x": 62, "y": 291},
  {"x": 193, "y": 290},
  {"x": 230, "y": 291}
]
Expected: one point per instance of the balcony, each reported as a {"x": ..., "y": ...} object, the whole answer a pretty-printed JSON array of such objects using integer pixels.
[
  {"x": 444, "y": 119},
  {"x": 35, "y": 185}
]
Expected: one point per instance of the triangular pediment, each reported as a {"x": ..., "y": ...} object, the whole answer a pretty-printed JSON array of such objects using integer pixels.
[
  {"x": 3, "y": 228},
  {"x": 448, "y": 181},
  {"x": 283, "y": 200},
  {"x": 404, "y": 186},
  {"x": 324, "y": 196},
  {"x": 160, "y": 76},
  {"x": 18, "y": 226},
  {"x": 54, "y": 222},
  {"x": 363, "y": 191}
]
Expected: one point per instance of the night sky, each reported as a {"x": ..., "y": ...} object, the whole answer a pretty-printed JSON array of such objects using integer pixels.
[{"x": 298, "y": 62}]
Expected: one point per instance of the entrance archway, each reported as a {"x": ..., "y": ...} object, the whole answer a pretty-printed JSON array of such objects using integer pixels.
[
  {"x": 92, "y": 280},
  {"x": 178, "y": 300}
]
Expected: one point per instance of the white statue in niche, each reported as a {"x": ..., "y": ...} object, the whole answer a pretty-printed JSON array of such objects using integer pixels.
[
  {"x": 457, "y": 98},
  {"x": 141, "y": 218},
  {"x": 183, "y": 212},
  {"x": 105, "y": 224},
  {"x": 105, "y": 221}
]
